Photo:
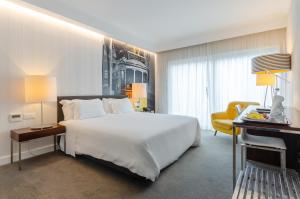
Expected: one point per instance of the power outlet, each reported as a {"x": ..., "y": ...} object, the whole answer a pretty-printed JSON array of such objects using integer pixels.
[{"x": 29, "y": 116}]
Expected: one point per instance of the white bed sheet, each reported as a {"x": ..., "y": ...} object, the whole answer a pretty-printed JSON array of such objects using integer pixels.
[{"x": 144, "y": 143}]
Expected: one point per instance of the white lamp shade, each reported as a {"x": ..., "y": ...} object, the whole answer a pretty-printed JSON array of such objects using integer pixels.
[
  {"x": 139, "y": 90},
  {"x": 40, "y": 88},
  {"x": 265, "y": 79}
]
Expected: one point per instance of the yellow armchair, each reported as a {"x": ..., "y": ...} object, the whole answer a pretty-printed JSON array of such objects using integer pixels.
[{"x": 222, "y": 121}]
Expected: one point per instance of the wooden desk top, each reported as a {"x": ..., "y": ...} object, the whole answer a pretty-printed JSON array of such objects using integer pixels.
[
  {"x": 26, "y": 134},
  {"x": 292, "y": 114}
]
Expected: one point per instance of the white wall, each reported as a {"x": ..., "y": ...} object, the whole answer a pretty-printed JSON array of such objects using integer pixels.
[
  {"x": 293, "y": 45},
  {"x": 31, "y": 44}
]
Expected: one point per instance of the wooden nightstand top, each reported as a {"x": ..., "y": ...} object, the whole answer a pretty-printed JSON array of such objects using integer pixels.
[{"x": 26, "y": 134}]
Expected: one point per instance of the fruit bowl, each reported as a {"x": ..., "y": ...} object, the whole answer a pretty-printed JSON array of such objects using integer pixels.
[
  {"x": 264, "y": 118},
  {"x": 257, "y": 116}
]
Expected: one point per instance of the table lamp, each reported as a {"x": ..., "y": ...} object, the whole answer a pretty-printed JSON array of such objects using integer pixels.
[
  {"x": 139, "y": 91},
  {"x": 40, "y": 89},
  {"x": 266, "y": 68}
]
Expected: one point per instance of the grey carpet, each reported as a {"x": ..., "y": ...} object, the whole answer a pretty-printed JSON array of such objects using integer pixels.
[{"x": 202, "y": 172}]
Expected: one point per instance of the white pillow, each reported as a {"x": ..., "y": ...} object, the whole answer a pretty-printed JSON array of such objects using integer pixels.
[
  {"x": 121, "y": 106},
  {"x": 107, "y": 105},
  {"x": 84, "y": 109},
  {"x": 67, "y": 108}
]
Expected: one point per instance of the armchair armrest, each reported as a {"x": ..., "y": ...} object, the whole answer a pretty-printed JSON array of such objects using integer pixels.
[{"x": 219, "y": 115}]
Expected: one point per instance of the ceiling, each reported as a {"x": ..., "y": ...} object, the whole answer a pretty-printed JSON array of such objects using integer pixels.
[{"x": 159, "y": 25}]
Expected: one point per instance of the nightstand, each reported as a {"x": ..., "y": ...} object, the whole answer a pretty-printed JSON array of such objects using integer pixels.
[{"x": 28, "y": 134}]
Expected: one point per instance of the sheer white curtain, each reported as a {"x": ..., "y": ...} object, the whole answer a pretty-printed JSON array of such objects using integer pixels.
[
  {"x": 199, "y": 80},
  {"x": 188, "y": 86}
]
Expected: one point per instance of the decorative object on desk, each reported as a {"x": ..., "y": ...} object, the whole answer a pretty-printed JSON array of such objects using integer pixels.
[
  {"x": 277, "y": 110},
  {"x": 40, "y": 89},
  {"x": 139, "y": 93},
  {"x": 268, "y": 65}
]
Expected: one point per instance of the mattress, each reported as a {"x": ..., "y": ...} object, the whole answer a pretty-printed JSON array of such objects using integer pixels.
[{"x": 144, "y": 143}]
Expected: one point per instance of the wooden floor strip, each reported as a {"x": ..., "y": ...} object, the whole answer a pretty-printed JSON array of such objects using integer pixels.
[
  {"x": 289, "y": 187},
  {"x": 281, "y": 184},
  {"x": 295, "y": 186},
  {"x": 297, "y": 180},
  {"x": 249, "y": 186},
  {"x": 263, "y": 182},
  {"x": 256, "y": 184},
  {"x": 239, "y": 181},
  {"x": 243, "y": 188},
  {"x": 262, "y": 189}
]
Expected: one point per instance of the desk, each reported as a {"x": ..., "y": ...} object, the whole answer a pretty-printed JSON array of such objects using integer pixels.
[{"x": 292, "y": 114}]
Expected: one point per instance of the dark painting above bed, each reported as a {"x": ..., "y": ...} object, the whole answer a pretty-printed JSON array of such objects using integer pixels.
[{"x": 123, "y": 65}]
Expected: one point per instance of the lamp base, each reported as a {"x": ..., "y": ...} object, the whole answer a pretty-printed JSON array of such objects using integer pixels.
[{"x": 39, "y": 127}]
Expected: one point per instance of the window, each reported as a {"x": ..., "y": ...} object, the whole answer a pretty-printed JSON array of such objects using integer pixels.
[
  {"x": 198, "y": 87},
  {"x": 138, "y": 76},
  {"x": 129, "y": 76}
]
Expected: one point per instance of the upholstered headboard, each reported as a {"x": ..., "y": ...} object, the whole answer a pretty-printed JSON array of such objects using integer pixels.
[{"x": 60, "y": 115}]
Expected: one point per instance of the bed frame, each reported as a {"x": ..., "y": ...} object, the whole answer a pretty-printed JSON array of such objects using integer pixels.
[{"x": 60, "y": 117}]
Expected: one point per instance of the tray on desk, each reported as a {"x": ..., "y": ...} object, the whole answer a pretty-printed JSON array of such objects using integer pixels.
[{"x": 284, "y": 121}]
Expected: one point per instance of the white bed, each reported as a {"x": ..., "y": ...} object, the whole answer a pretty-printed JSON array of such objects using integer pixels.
[{"x": 144, "y": 143}]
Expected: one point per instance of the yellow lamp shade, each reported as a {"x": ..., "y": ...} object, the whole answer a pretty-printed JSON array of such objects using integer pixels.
[
  {"x": 266, "y": 79},
  {"x": 273, "y": 71},
  {"x": 139, "y": 90},
  {"x": 40, "y": 89}
]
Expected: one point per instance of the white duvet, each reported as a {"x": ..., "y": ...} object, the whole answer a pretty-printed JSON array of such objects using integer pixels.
[{"x": 144, "y": 143}]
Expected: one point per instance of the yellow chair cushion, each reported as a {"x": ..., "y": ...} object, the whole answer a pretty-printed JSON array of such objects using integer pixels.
[{"x": 223, "y": 123}]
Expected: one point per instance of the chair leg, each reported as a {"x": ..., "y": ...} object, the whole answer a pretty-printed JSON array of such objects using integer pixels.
[
  {"x": 216, "y": 133},
  {"x": 283, "y": 162},
  {"x": 244, "y": 157}
]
